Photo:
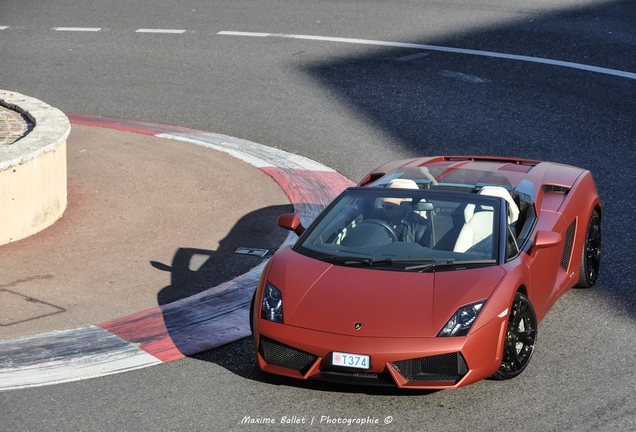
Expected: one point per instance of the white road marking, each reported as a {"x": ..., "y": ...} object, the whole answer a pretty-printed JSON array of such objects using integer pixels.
[
  {"x": 78, "y": 29},
  {"x": 159, "y": 31},
  {"x": 4, "y": 27},
  {"x": 235, "y": 33},
  {"x": 571, "y": 65}
]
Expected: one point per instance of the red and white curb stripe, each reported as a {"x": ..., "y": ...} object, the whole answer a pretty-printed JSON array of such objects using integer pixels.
[{"x": 204, "y": 321}]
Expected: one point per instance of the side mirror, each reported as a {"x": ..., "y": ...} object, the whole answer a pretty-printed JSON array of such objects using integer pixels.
[
  {"x": 291, "y": 221},
  {"x": 420, "y": 206},
  {"x": 545, "y": 239}
]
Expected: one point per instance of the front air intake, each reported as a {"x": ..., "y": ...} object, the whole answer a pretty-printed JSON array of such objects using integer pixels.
[
  {"x": 278, "y": 354},
  {"x": 445, "y": 367}
]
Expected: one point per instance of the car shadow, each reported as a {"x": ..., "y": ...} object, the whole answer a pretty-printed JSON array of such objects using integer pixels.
[{"x": 194, "y": 270}]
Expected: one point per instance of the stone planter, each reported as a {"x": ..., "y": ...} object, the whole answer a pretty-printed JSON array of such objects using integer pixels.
[{"x": 32, "y": 165}]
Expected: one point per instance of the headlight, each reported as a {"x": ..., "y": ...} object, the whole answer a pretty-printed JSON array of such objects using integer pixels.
[
  {"x": 460, "y": 323},
  {"x": 272, "y": 307}
]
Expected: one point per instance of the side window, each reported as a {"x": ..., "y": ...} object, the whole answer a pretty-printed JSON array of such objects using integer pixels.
[{"x": 512, "y": 249}]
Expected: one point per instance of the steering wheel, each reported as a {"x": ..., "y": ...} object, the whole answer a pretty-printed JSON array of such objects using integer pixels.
[{"x": 389, "y": 229}]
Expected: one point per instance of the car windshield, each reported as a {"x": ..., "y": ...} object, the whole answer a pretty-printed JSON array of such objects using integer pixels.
[{"x": 406, "y": 229}]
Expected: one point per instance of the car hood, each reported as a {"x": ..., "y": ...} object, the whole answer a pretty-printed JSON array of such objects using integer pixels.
[{"x": 332, "y": 298}]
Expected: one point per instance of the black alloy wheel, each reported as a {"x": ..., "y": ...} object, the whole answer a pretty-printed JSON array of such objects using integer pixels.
[
  {"x": 591, "y": 258},
  {"x": 519, "y": 340}
]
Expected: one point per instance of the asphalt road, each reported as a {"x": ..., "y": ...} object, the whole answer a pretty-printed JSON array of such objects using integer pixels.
[{"x": 352, "y": 106}]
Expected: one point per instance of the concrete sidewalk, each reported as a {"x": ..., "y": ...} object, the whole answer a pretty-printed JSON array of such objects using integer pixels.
[{"x": 149, "y": 221}]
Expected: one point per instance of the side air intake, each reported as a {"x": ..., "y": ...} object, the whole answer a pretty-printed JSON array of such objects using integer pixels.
[
  {"x": 569, "y": 243},
  {"x": 548, "y": 188}
]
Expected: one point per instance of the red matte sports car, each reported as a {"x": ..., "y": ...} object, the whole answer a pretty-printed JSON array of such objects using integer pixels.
[{"x": 431, "y": 273}]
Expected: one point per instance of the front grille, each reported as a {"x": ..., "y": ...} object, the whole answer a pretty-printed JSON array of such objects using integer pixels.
[
  {"x": 362, "y": 378},
  {"x": 444, "y": 367},
  {"x": 569, "y": 243},
  {"x": 278, "y": 354}
]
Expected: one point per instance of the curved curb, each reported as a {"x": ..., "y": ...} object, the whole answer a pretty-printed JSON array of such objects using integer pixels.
[{"x": 204, "y": 321}]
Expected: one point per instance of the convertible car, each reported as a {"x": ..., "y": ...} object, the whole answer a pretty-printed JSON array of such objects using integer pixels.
[{"x": 431, "y": 273}]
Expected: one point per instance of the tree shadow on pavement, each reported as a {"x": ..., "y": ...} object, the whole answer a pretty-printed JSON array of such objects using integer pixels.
[{"x": 432, "y": 102}]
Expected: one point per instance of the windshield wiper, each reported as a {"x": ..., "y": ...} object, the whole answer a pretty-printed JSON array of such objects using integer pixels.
[
  {"x": 448, "y": 263},
  {"x": 348, "y": 261}
]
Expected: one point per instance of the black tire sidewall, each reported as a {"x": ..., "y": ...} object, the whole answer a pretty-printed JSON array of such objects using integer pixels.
[
  {"x": 503, "y": 374},
  {"x": 584, "y": 272}
]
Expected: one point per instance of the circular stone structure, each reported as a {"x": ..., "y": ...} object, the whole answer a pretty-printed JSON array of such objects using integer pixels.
[{"x": 32, "y": 165}]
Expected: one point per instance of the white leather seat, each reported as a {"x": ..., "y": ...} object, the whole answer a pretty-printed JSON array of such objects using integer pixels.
[
  {"x": 478, "y": 224},
  {"x": 498, "y": 191},
  {"x": 477, "y": 228}
]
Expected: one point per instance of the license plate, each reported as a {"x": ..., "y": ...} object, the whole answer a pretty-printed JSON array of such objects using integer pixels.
[{"x": 351, "y": 360}]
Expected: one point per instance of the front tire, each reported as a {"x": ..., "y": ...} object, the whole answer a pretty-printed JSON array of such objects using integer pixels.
[
  {"x": 519, "y": 339},
  {"x": 591, "y": 257}
]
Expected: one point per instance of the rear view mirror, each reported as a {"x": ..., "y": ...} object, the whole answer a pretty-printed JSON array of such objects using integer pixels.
[
  {"x": 420, "y": 206},
  {"x": 291, "y": 221}
]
